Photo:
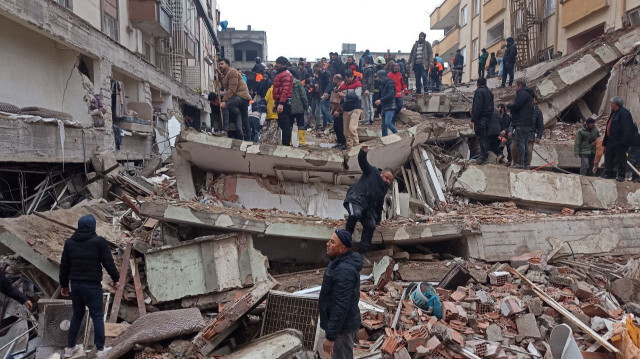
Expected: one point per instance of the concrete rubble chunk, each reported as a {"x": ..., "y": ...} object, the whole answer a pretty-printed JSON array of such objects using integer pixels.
[
  {"x": 156, "y": 326},
  {"x": 279, "y": 345},
  {"x": 382, "y": 271},
  {"x": 527, "y": 326},
  {"x": 212, "y": 264},
  {"x": 184, "y": 178}
]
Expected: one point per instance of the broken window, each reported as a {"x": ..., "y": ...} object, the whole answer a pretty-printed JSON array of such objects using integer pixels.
[
  {"x": 549, "y": 7},
  {"x": 110, "y": 22},
  {"x": 66, "y": 3},
  {"x": 476, "y": 50},
  {"x": 463, "y": 16}
]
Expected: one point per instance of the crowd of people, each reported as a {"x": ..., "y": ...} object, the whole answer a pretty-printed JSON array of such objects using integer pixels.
[{"x": 519, "y": 126}]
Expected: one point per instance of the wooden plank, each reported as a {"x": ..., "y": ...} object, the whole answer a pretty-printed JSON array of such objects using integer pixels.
[
  {"x": 112, "y": 330},
  {"x": 142, "y": 310},
  {"x": 562, "y": 310},
  {"x": 124, "y": 271}
]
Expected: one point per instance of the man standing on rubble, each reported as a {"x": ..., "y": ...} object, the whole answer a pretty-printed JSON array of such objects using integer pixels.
[
  {"x": 481, "y": 114},
  {"x": 236, "y": 98},
  {"x": 83, "y": 257},
  {"x": 420, "y": 61},
  {"x": 364, "y": 200},
  {"x": 339, "y": 297},
  {"x": 521, "y": 121},
  {"x": 282, "y": 93},
  {"x": 619, "y": 134},
  {"x": 537, "y": 129},
  {"x": 509, "y": 62}
]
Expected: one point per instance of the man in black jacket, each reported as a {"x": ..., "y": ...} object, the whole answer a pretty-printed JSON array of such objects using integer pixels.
[
  {"x": 481, "y": 113},
  {"x": 339, "y": 297},
  {"x": 509, "y": 61},
  {"x": 324, "y": 87},
  {"x": 537, "y": 130},
  {"x": 620, "y": 133},
  {"x": 364, "y": 200},
  {"x": 83, "y": 257},
  {"x": 10, "y": 291},
  {"x": 386, "y": 102},
  {"x": 505, "y": 124},
  {"x": 521, "y": 118}
]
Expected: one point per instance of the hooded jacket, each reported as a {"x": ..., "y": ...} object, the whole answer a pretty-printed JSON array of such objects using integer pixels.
[
  {"x": 370, "y": 190},
  {"x": 510, "y": 53},
  {"x": 522, "y": 108},
  {"x": 299, "y": 101},
  {"x": 340, "y": 295},
  {"x": 482, "y": 59},
  {"x": 482, "y": 106},
  {"x": 387, "y": 91},
  {"x": 585, "y": 142},
  {"x": 84, "y": 255}
]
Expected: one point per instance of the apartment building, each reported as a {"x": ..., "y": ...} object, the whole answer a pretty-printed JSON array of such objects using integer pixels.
[
  {"x": 85, "y": 76},
  {"x": 542, "y": 28},
  {"x": 242, "y": 47}
]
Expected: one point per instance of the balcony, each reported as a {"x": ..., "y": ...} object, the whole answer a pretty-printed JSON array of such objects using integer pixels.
[
  {"x": 576, "y": 10},
  {"x": 449, "y": 42},
  {"x": 491, "y": 8},
  {"x": 494, "y": 45},
  {"x": 446, "y": 15},
  {"x": 151, "y": 17}
]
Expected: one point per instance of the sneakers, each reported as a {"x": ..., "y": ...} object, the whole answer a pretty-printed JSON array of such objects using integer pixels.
[
  {"x": 71, "y": 352},
  {"x": 103, "y": 352}
]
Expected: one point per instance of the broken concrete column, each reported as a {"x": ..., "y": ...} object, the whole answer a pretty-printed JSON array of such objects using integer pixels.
[{"x": 184, "y": 178}]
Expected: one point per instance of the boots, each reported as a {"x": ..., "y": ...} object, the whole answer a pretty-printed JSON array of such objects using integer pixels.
[{"x": 301, "y": 137}]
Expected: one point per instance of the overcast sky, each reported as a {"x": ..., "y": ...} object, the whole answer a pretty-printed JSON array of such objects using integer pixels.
[{"x": 311, "y": 29}]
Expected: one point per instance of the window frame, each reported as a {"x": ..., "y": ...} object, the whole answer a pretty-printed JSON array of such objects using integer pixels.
[
  {"x": 475, "y": 45},
  {"x": 547, "y": 11},
  {"x": 476, "y": 8},
  {"x": 464, "y": 12},
  {"x": 235, "y": 55}
]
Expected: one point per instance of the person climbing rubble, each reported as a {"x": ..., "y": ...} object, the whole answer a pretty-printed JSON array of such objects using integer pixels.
[{"x": 364, "y": 200}]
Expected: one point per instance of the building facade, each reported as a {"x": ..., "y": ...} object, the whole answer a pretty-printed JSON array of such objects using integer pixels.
[
  {"x": 242, "y": 47},
  {"x": 99, "y": 62},
  {"x": 542, "y": 28}
]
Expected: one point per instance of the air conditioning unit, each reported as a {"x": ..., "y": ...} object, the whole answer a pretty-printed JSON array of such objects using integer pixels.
[{"x": 56, "y": 320}]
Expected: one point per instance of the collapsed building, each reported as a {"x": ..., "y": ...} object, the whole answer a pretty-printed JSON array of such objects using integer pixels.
[{"x": 220, "y": 242}]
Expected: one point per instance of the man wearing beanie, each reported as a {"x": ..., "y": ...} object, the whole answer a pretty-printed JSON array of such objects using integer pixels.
[
  {"x": 83, "y": 257},
  {"x": 339, "y": 297},
  {"x": 282, "y": 93}
]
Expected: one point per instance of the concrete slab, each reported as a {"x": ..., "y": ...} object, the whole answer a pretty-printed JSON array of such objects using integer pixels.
[
  {"x": 279, "y": 345},
  {"x": 205, "y": 265},
  {"x": 184, "y": 178},
  {"x": 595, "y": 234},
  {"x": 547, "y": 189},
  {"x": 288, "y": 226}
]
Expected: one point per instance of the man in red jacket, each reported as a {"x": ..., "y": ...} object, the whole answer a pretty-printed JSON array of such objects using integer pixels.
[
  {"x": 401, "y": 86},
  {"x": 282, "y": 92}
]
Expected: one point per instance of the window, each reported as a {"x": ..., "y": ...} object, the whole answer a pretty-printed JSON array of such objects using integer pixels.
[
  {"x": 476, "y": 7},
  {"x": 463, "y": 52},
  {"x": 147, "y": 52},
  {"x": 251, "y": 54},
  {"x": 495, "y": 34},
  {"x": 66, "y": 3},
  {"x": 476, "y": 50},
  {"x": 634, "y": 17},
  {"x": 110, "y": 24},
  {"x": 237, "y": 55},
  {"x": 463, "y": 16},
  {"x": 549, "y": 7}
]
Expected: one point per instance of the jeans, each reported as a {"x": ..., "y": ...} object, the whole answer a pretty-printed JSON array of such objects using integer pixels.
[
  {"x": 421, "y": 78},
  {"x": 508, "y": 71},
  {"x": 254, "y": 125},
  {"x": 481, "y": 70},
  {"x": 399, "y": 101},
  {"x": 457, "y": 75},
  {"x": 435, "y": 84},
  {"x": 492, "y": 71},
  {"x": 615, "y": 157},
  {"x": 522, "y": 138},
  {"x": 483, "y": 141},
  {"x": 387, "y": 123},
  {"x": 500, "y": 71},
  {"x": 326, "y": 113},
  {"x": 239, "y": 111},
  {"x": 368, "y": 220},
  {"x": 586, "y": 164},
  {"x": 338, "y": 127},
  {"x": 367, "y": 103},
  {"x": 316, "y": 110},
  {"x": 86, "y": 295},
  {"x": 343, "y": 345},
  {"x": 284, "y": 122},
  {"x": 218, "y": 123}
]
